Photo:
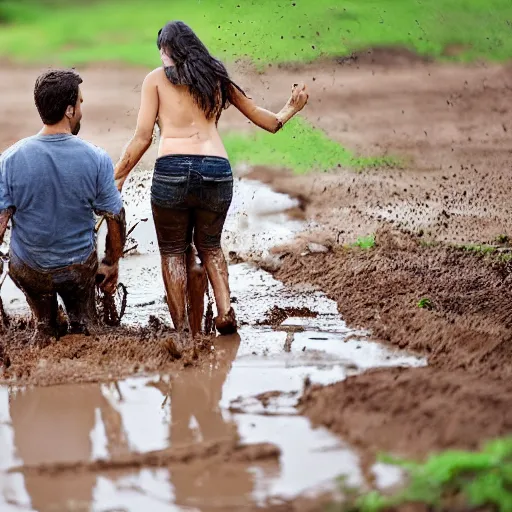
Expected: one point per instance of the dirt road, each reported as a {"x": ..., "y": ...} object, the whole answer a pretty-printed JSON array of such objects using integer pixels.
[{"x": 450, "y": 127}]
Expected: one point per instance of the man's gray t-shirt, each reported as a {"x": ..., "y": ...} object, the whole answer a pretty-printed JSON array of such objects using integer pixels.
[{"x": 55, "y": 183}]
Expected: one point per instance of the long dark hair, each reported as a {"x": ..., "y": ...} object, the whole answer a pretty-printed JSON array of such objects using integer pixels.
[{"x": 205, "y": 76}]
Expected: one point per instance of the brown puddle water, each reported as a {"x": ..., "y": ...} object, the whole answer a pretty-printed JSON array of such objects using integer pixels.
[{"x": 212, "y": 405}]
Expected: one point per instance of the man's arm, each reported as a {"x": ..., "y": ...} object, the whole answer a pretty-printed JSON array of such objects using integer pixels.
[
  {"x": 265, "y": 118},
  {"x": 108, "y": 271},
  {"x": 5, "y": 216},
  {"x": 6, "y": 202},
  {"x": 142, "y": 138},
  {"x": 116, "y": 237},
  {"x": 108, "y": 204}
]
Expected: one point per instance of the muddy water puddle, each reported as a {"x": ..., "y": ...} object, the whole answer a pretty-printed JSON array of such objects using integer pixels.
[{"x": 229, "y": 399}]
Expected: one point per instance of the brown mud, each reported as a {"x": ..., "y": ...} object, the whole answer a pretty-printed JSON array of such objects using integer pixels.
[
  {"x": 448, "y": 126},
  {"x": 113, "y": 354},
  {"x": 276, "y": 315},
  {"x": 217, "y": 452}
]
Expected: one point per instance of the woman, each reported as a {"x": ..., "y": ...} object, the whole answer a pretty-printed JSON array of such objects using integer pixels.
[{"x": 192, "y": 183}]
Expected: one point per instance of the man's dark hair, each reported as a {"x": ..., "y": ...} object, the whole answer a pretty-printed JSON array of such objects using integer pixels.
[{"x": 54, "y": 91}]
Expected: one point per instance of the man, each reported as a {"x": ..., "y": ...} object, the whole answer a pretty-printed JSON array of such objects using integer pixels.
[{"x": 51, "y": 184}]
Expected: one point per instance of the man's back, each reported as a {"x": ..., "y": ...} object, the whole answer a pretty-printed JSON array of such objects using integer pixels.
[{"x": 54, "y": 183}]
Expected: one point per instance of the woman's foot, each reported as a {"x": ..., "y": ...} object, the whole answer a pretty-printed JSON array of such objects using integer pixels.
[
  {"x": 179, "y": 343},
  {"x": 226, "y": 324},
  {"x": 43, "y": 336}
]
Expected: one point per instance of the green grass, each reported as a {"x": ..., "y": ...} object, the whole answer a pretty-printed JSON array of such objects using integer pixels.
[
  {"x": 365, "y": 242},
  {"x": 468, "y": 479},
  {"x": 266, "y": 31},
  {"x": 478, "y": 248},
  {"x": 487, "y": 250},
  {"x": 299, "y": 146},
  {"x": 425, "y": 303}
]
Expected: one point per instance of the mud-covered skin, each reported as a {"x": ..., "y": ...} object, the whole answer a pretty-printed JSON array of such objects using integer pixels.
[
  {"x": 5, "y": 216},
  {"x": 116, "y": 235},
  {"x": 197, "y": 284},
  {"x": 74, "y": 284},
  {"x": 181, "y": 272},
  {"x": 184, "y": 272},
  {"x": 108, "y": 271}
]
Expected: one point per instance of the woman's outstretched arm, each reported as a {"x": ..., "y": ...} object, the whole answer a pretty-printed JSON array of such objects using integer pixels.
[
  {"x": 266, "y": 119},
  {"x": 142, "y": 137}
]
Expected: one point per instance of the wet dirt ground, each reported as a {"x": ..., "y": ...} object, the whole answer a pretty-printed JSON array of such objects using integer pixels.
[
  {"x": 160, "y": 439},
  {"x": 449, "y": 126}
]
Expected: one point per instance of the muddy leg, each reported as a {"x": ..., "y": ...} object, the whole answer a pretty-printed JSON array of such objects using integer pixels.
[
  {"x": 44, "y": 308},
  {"x": 208, "y": 233},
  {"x": 76, "y": 286},
  {"x": 174, "y": 271},
  {"x": 217, "y": 269},
  {"x": 197, "y": 284},
  {"x": 174, "y": 233},
  {"x": 41, "y": 298},
  {"x": 81, "y": 309}
]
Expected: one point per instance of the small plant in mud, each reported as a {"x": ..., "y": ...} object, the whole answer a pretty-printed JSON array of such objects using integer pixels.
[
  {"x": 425, "y": 303},
  {"x": 503, "y": 239},
  {"x": 478, "y": 248},
  {"x": 451, "y": 480},
  {"x": 365, "y": 242}
]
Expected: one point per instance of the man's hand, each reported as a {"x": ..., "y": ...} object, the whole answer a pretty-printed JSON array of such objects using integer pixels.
[{"x": 107, "y": 276}]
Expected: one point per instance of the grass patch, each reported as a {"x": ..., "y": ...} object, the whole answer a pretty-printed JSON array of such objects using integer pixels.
[
  {"x": 365, "y": 242},
  {"x": 425, "y": 303},
  {"x": 503, "y": 239},
  {"x": 266, "y": 31},
  {"x": 299, "y": 146},
  {"x": 452, "y": 480},
  {"x": 478, "y": 248}
]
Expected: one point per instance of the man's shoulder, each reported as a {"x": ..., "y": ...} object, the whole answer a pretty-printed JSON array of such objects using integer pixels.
[
  {"x": 90, "y": 147},
  {"x": 15, "y": 148}
]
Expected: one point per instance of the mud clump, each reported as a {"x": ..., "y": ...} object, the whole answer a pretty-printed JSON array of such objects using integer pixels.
[
  {"x": 469, "y": 327},
  {"x": 277, "y": 315},
  {"x": 113, "y": 353},
  {"x": 412, "y": 411},
  {"x": 462, "y": 397}
]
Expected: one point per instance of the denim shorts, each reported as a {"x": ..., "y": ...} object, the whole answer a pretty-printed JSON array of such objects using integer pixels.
[{"x": 190, "y": 197}]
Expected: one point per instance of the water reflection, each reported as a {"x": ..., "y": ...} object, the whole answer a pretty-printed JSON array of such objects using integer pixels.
[
  {"x": 54, "y": 424},
  {"x": 71, "y": 423},
  {"x": 196, "y": 416}
]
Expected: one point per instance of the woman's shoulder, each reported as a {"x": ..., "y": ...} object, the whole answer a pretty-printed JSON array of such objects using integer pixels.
[{"x": 155, "y": 75}]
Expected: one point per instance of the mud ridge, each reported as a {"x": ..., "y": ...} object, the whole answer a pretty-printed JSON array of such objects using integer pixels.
[
  {"x": 465, "y": 333},
  {"x": 111, "y": 354},
  {"x": 217, "y": 452},
  {"x": 411, "y": 411},
  {"x": 276, "y": 315},
  {"x": 467, "y": 324}
]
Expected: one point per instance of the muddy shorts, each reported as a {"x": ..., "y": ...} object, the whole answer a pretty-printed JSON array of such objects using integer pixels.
[
  {"x": 190, "y": 198},
  {"x": 74, "y": 283}
]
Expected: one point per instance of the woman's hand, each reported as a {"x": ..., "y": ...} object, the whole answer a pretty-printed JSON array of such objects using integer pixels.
[
  {"x": 299, "y": 97},
  {"x": 120, "y": 183},
  {"x": 265, "y": 118}
]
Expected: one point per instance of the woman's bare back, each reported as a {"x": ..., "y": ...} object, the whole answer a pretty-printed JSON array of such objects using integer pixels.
[{"x": 184, "y": 128}]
